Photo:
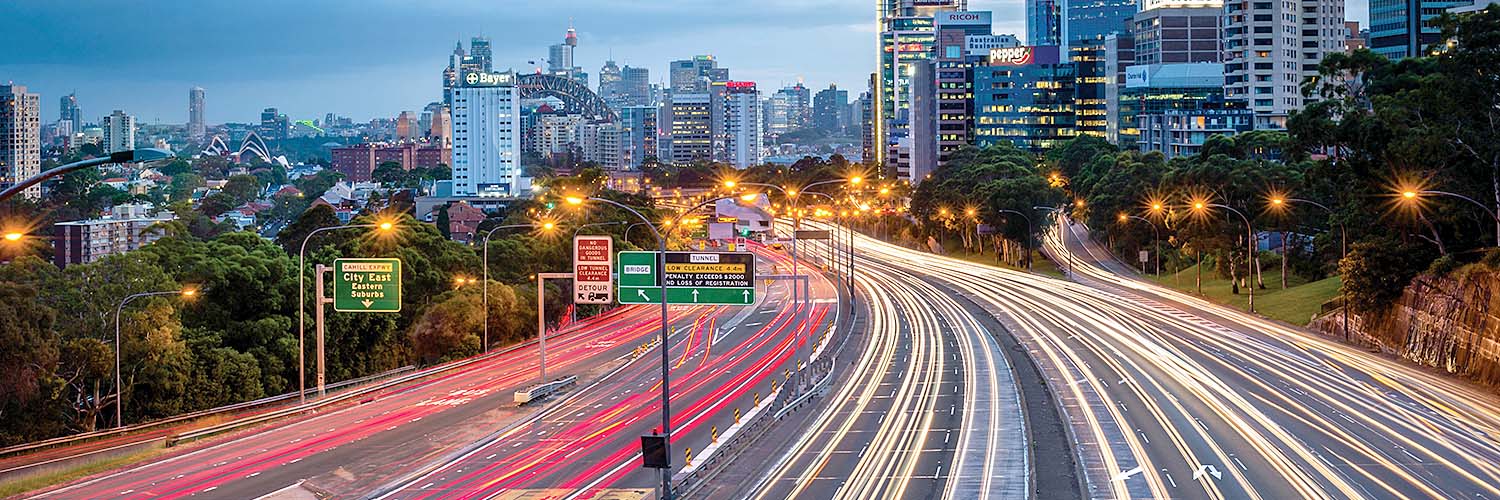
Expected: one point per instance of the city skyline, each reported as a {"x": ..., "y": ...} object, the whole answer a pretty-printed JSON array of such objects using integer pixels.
[{"x": 149, "y": 78}]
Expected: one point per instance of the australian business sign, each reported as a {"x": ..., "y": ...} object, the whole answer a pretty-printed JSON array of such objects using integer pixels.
[
  {"x": 487, "y": 79},
  {"x": 1025, "y": 55},
  {"x": 963, "y": 18}
]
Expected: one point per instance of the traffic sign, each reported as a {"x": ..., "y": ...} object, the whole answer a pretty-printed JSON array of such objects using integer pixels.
[
  {"x": 691, "y": 278},
  {"x": 592, "y": 261},
  {"x": 367, "y": 285}
]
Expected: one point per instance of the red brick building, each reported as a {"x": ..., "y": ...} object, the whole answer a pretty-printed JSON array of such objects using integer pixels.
[{"x": 359, "y": 161}]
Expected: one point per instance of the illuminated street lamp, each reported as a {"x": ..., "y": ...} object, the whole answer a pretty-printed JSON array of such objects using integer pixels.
[
  {"x": 1201, "y": 206},
  {"x": 1126, "y": 218},
  {"x": 141, "y": 155},
  {"x": 187, "y": 293},
  {"x": 383, "y": 227},
  {"x": 1414, "y": 196}
]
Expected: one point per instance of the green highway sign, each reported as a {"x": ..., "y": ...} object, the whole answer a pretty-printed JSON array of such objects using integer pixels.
[
  {"x": 367, "y": 285},
  {"x": 692, "y": 278}
]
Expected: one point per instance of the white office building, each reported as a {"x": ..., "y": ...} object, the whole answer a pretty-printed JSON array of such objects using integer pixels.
[
  {"x": 742, "y": 119},
  {"x": 119, "y": 132},
  {"x": 487, "y": 136},
  {"x": 1271, "y": 46}
]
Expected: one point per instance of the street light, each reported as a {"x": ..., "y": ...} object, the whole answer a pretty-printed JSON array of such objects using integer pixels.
[
  {"x": 1028, "y": 234},
  {"x": 141, "y": 155},
  {"x": 1249, "y": 257},
  {"x": 1410, "y": 196},
  {"x": 1156, "y": 234},
  {"x": 666, "y": 381},
  {"x": 186, "y": 293},
  {"x": 384, "y": 227},
  {"x": 545, "y": 226},
  {"x": 1343, "y": 246}
]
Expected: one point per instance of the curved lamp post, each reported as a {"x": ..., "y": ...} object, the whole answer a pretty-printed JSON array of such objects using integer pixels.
[
  {"x": 1028, "y": 233},
  {"x": 1155, "y": 234},
  {"x": 1343, "y": 249},
  {"x": 132, "y": 156},
  {"x": 1413, "y": 195},
  {"x": 1249, "y": 257},
  {"x": 119, "y": 388},
  {"x": 486, "y": 291},
  {"x": 302, "y": 300}
]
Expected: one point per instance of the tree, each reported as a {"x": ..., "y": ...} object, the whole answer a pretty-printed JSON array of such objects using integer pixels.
[
  {"x": 1377, "y": 271},
  {"x": 242, "y": 189},
  {"x": 390, "y": 173},
  {"x": 318, "y": 216},
  {"x": 28, "y": 360},
  {"x": 449, "y": 329}
]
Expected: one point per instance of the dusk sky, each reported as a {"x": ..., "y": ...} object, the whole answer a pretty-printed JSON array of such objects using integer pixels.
[{"x": 375, "y": 58}]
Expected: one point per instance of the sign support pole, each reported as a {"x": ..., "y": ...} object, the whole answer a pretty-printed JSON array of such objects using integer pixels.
[{"x": 318, "y": 307}]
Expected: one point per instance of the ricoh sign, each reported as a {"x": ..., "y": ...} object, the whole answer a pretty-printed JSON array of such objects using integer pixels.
[
  {"x": 966, "y": 18},
  {"x": 486, "y": 79}
]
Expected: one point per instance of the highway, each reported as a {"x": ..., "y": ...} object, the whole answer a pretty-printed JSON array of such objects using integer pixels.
[
  {"x": 1169, "y": 396},
  {"x": 929, "y": 405},
  {"x": 350, "y": 450},
  {"x": 590, "y": 443}
]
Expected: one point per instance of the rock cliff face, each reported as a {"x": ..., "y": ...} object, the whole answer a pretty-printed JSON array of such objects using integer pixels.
[{"x": 1449, "y": 323}]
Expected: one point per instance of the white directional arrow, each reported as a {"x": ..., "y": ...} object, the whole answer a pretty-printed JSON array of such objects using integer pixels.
[
  {"x": 642, "y": 293},
  {"x": 1126, "y": 475},
  {"x": 1209, "y": 469},
  {"x": 695, "y": 295},
  {"x": 367, "y": 303},
  {"x": 747, "y": 296}
]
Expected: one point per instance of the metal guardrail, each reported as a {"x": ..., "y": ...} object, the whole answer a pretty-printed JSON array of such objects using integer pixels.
[
  {"x": 90, "y": 436},
  {"x": 544, "y": 390}
]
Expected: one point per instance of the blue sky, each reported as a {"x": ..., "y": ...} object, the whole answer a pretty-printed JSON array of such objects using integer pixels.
[{"x": 369, "y": 58}]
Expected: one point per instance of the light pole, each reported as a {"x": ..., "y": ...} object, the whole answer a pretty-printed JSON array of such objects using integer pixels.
[
  {"x": 1343, "y": 250},
  {"x": 302, "y": 300},
  {"x": 666, "y": 381},
  {"x": 119, "y": 388},
  {"x": 1155, "y": 234},
  {"x": 791, "y": 208},
  {"x": 486, "y": 290},
  {"x": 1413, "y": 195},
  {"x": 132, "y": 156},
  {"x": 1250, "y": 257},
  {"x": 1028, "y": 234}
]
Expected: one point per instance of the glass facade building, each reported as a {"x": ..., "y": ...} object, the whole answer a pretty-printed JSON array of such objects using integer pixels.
[{"x": 1030, "y": 104}]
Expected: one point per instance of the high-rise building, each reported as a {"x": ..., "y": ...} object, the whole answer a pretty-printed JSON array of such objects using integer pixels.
[
  {"x": 487, "y": 136},
  {"x": 691, "y": 127},
  {"x": 612, "y": 85},
  {"x": 1043, "y": 22},
  {"x": 828, "y": 106},
  {"x": 20, "y": 137},
  {"x": 694, "y": 75},
  {"x": 635, "y": 84},
  {"x": 68, "y": 110},
  {"x": 1270, "y": 47},
  {"x": 1404, "y": 28},
  {"x": 905, "y": 37},
  {"x": 1173, "y": 33},
  {"x": 1087, "y": 22},
  {"x": 440, "y": 127},
  {"x": 964, "y": 41},
  {"x": 119, "y": 132},
  {"x": 638, "y": 133},
  {"x": 799, "y": 106},
  {"x": 1119, "y": 56},
  {"x": 1177, "y": 107},
  {"x": 922, "y": 142},
  {"x": 560, "y": 59},
  {"x": 1024, "y": 96},
  {"x": 480, "y": 55},
  {"x": 274, "y": 126},
  {"x": 742, "y": 123},
  {"x": 195, "y": 126},
  {"x": 359, "y": 161}
]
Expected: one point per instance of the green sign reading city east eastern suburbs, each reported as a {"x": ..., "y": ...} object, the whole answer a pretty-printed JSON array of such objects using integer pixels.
[
  {"x": 692, "y": 278},
  {"x": 367, "y": 285}
]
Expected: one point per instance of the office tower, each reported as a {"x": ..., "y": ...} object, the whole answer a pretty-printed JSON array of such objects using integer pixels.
[
  {"x": 922, "y": 142},
  {"x": 1175, "y": 33},
  {"x": 1353, "y": 40},
  {"x": 964, "y": 40},
  {"x": 68, "y": 110},
  {"x": 799, "y": 106},
  {"x": 1404, "y": 28},
  {"x": 195, "y": 126},
  {"x": 1043, "y": 22},
  {"x": 274, "y": 126},
  {"x": 1024, "y": 96},
  {"x": 119, "y": 132},
  {"x": 694, "y": 75},
  {"x": 612, "y": 85},
  {"x": 1087, "y": 22},
  {"x": 1177, "y": 107},
  {"x": 479, "y": 53},
  {"x": 742, "y": 124},
  {"x": 868, "y": 140},
  {"x": 828, "y": 105},
  {"x": 487, "y": 136},
  {"x": 691, "y": 127},
  {"x": 20, "y": 137},
  {"x": 638, "y": 132},
  {"x": 1119, "y": 56},
  {"x": 905, "y": 37},
  {"x": 560, "y": 58},
  {"x": 635, "y": 84},
  {"x": 1270, "y": 47}
]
